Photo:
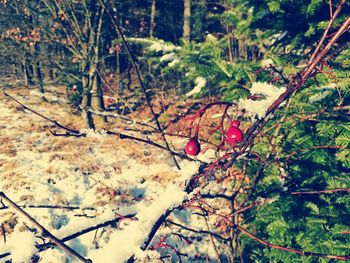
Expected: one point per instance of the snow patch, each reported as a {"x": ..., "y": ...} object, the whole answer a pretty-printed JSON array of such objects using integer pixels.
[
  {"x": 126, "y": 242},
  {"x": 168, "y": 57},
  {"x": 90, "y": 133},
  {"x": 259, "y": 107},
  {"x": 200, "y": 83},
  {"x": 266, "y": 62},
  {"x": 21, "y": 246}
]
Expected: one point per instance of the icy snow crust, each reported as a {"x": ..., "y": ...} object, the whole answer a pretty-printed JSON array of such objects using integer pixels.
[{"x": 97, "y": 172}]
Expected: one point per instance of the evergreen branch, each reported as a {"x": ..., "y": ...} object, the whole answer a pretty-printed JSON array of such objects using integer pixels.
[{"x": 293, "y": 85}]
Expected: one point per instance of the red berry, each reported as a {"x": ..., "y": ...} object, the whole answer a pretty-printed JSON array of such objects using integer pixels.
[
  {"x": 234, "y": 135},
  {"x": 235, "y": 123},
  {"x": 193, "y": 147}
]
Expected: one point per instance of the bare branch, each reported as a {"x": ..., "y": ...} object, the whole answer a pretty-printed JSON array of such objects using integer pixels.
[
  {"x": 327, "y": 191},
  {"x": 46, "y": 232},
  {"x": 116, "y": 26},
  {"x": 296, "y": 251},
  {"x": 76, "y": 133}
]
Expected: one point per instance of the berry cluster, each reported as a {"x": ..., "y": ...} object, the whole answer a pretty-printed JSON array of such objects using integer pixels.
[{"x": 232, "y": 136}]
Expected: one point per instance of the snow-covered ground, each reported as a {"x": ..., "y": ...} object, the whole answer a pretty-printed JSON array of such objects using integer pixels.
[{"x": 99, "y": 178}]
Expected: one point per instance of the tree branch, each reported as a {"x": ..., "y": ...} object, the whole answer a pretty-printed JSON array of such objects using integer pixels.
[
  {"x": 296, "y": 251},
  {"x": 116, "y": 26},
  {"x": 76, "y": 133},
  {"x": 45, "y": 232}
]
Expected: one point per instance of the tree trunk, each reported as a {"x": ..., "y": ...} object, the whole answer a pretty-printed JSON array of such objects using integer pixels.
[
  {"x": 27, "y": 71},
  {"x": 187, "y": 20},
  {"x": 229, "y": 43},
  {"x": 242, "y": 48},
  {"x": 97, "y": 97},
  {"x": 37, "y": 76},
  {"x": 153, "y": 16},
  {"x": 87, "y": 95}
]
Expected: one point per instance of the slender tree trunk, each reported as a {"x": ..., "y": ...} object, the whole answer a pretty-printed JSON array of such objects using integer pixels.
[
  {"x": 37, "y": 75},
  {"x": 153, "y": 16},
  {"x": 97, "y": 97},
  {"x": 27, "y": 71},
  {"x": 242, "y": 48},
  {"x": 187, "y": 20},
  {"x": 87, "y": 94},
  {"x": 229, "y": 43}
]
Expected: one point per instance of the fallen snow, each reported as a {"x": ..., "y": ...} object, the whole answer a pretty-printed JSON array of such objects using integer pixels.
[
  {"x": 39, "y": 169},
  {"x": 259, "y": 107},
  {"x": 123, "y": 244},
  {"x": 266, "y": 62},
  {"x": 22, "y": 246}
]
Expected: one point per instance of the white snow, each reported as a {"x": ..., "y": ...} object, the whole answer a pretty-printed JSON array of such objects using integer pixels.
[
  {"x": 319, "y": 96},
  {"x": 258, "y": 107},
  {"x": 123, "y": 244},
  {"x": 94, "y": 134},
  {"x": 22, "y": 246},
  {"x": 160, "y": 45},
  {"x": 266, "y": 62},
  {"x": 168, "y": 57},
  {"x": 174, "y": 62},
  {"x": 200, "y": 83},
  {"x": 81, "y": 172}
]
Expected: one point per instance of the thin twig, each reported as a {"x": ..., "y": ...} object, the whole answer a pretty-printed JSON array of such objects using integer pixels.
[
  {"x": 46, "y": 246},
  {"x": 197, "y": 231},
  {"x": 296, "y": 251},
  {"x": 52, "y": 207},
  {"x": 116, "y": 26},
  {"x": 337, "y": 147},
  {"x": 327, "y": 191},
  {"x": 70, "y": 132},
  {"x": 42, "y": 116},
  {"x": 333, "y": 17}
]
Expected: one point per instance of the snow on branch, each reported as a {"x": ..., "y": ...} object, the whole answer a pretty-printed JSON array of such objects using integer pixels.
[{"x": 128, "y": 242}]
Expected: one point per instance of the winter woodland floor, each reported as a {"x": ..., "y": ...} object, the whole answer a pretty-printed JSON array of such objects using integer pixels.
[{"x": 99, "y": 177}]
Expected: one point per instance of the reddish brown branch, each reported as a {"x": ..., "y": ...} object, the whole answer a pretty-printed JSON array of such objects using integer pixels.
[
  {"x": 314, "y": 148},
  {"x": 328, "y": 191},
  {"x": 331, "y": 21},
  {"x": 292, "y": 250}
]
